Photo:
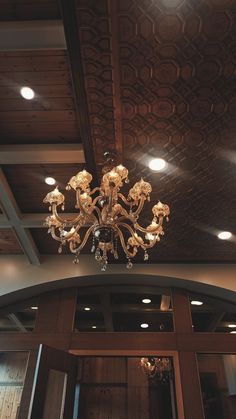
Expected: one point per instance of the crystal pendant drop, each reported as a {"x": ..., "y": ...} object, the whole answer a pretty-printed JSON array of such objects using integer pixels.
[
  {"x": 93, "y": 248},
  {"x": 59, "y": 249},
  {"x": 97, "y": 254},
  {"x": 103, "y": 265},
  {"x": 145, "y": 257},
  {"x": 129, "y": 264}
]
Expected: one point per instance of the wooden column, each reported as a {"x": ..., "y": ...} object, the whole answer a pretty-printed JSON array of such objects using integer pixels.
[
  {"x": 191, "y": 390},
  {"x": 182, "y": 311},
  {"x": 56, "y": 311}
]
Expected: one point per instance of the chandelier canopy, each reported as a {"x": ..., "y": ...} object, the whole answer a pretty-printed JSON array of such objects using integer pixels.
[{"x": 107, "y": 215}]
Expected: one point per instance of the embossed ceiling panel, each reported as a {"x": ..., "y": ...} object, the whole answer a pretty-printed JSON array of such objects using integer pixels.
[{"x": 161, "y": 75}]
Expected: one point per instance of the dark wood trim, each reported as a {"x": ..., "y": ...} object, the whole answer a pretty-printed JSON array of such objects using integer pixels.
[
  {"x": 182, "y": 311},
  {"x": 112, "y": 6},
  {"x": 69, "y": 16},
  {"x": 190, "y": 383},
  {"x": 207, "y": 342}
]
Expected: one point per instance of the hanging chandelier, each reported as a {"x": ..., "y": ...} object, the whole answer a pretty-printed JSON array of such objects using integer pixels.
[
  {"x": 160, "y": 367},
  {"x": 107, "y": 215}
]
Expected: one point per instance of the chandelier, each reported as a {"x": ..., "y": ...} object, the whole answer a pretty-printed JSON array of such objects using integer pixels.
[
  {"x": 105, "y": 214},
  {"x": 160, "y": 367}
]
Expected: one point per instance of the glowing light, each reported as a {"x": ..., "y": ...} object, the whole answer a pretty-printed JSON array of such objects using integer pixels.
[
  {"x": 27, "y": 93},
  {"x": 34, "y": 308},
  {"x": 50, "y": 181},
  {"x": 231, "y": 326},
  {"x": 157, "y": 164},
  {"x": 196, "y": 303},
  {"x": 144, "y": 325},
  {"x": 224, "y": 235},
  {"x": 146, "y": 301},
  {"x": 87, "y": 308}
]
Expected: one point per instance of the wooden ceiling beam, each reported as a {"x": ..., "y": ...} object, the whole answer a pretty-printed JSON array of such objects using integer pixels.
[
  {"x": 30, "y": 220},
  {"x": 12, "y": 212},
  {"x": 41, "y": 153},
  {"x": 32, "y": 35},
  {"x": 69, "y": 17},
  {"x": 15, "y": 320}
]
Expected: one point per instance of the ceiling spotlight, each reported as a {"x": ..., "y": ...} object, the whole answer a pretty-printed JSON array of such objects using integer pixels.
[
  {"x": 157, "y": 165},
  {"x": 27, "y": 93},
  {"x": 50, "y": 181},
  {"x": 196, "y": 303},
  {"x": 232, "y": 325},
  {"x": 34, "y": 308},
  {"x": 146, "y": 301},
  {"x": 87, "y": 308},
  {"x": 224, "y": 235},
  {"x": 233, "y": 331},
  {"x": 144, "y": 325},
  {"x": 94, "y": 327}
]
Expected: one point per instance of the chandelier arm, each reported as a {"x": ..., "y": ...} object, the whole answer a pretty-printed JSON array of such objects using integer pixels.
[
  {"x": 155, "y": 230},
  {"x": 68, "y": 221},
  {"x": 140, "y": 207},
  {"x": 141, "y": 244},
  {"x": 96, "y": 200},
  {"x": 122, "y": 240},
  {"x": 83, "y": 243},
  {"x": 120, "y": 195},
  {"x": 54, "y": 236},
  {"x": 97, "y": 210},
  {"x": 94, "y": 190}
]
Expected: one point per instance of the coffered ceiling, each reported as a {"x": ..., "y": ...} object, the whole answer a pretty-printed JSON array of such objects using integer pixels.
[{"x": 147, "y": 78}]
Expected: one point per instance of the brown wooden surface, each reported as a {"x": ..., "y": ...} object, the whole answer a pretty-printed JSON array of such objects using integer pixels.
[
  {"x": 190, "y": 386},
  {"x": 12, "y": 374},
  {"x": 52, "y": 359},
  {"x": 28, "y": 385},
  {"x": 9, "y": 243},
  {"x": 182, "y": 312},
  {"x": 29, "y": 10},
  {"x": 50, "y": 117},
  {"x": 22, "y": 179},
  {"x": 56, "y": 311}
]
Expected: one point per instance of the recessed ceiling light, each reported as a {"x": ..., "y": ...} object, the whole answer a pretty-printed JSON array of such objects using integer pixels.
[
  {"x": 94, "y": 327},
  {"x": 50, "y": 181},
  {"x": 233, "y": 331},
  {"x": 146, "y": 301},
  {"x": 157, "y": 164},
  {"x": 144, "y": 325},
  {"x": 27, "y": 93},
  {"x": 34, "y": 308},
  {"x": 232, "y": 325},
  {"x": 224, "y": 235},
  {"x": 196, "y": 303},
  {"x": 87, "y": 308}
]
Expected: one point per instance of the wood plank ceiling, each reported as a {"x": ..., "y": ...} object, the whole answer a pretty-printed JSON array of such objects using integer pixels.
[{"x": 145, "y": 78}]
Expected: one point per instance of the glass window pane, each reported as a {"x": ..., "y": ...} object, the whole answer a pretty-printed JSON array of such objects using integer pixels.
[
  {"x": 218, "y": 384},
  {"x": 119, "y": 387},
  {"x": 210, "y": 314},
  {"x": 12, "y": 376},
  {"x": 19, "y": 318},
  {"x": 124, "y": 309}
]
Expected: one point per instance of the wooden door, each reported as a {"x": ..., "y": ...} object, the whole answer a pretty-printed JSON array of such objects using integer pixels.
[{"x": 54, "y": 385}]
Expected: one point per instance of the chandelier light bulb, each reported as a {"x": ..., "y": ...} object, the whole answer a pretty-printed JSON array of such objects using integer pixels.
[
  {"x": 225, "y": 235},
  {"x": 27, "y": 93},
  {"x": 157, "y": 164},
  {"x": 196, "y": 303},
  {"x": 50, "y": 180},
  {"x": 144, "y": 325},
  {"x": 146, "y": 301}
]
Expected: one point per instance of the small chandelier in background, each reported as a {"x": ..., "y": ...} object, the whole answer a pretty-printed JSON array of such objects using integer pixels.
[
  {"x": 106, "y": 215},
  {"x": 160, "y": 367}
]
